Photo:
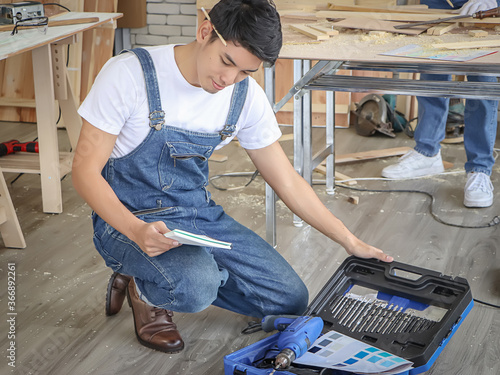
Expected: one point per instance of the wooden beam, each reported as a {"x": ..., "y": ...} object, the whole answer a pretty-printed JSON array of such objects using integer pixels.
[
  {"x": 387, "y": 9},
  {"x": 326, "y": 30},
  {"x": 442, "y": 29},
  {"x": 362, "y": 23},
  {"x": 310, "y": 32},
  {"x": 473, "y": 44},
  {"x": 478, "y": 33},
  {"x": 416, "y": 17},
  {"x": 373, "y": 154},
  {"x": 17, "y": 102}
]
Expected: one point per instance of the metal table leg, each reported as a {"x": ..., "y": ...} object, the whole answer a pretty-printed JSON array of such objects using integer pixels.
[
  {"x": 330, "y": 141},
  {"x": 269, "y": 78}
]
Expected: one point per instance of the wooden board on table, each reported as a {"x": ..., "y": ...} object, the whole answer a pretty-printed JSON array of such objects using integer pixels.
[
  {"x": 380, "y": 9},
  {"x": 310, "y": 32},
  {"x": 362, "y": 23},
  {"x": 402, "y": 17},
  {"x": 472, "y": 44},
  {"x": 441, "y": 29}
]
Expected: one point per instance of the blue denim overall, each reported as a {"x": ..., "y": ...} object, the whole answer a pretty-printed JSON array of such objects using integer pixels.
[
  {"x": 480, "y": 117},
  {"x": 165, "y": 179}
]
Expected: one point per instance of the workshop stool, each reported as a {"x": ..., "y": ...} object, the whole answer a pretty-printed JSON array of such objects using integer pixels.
[{"x": 10, "y": 229}]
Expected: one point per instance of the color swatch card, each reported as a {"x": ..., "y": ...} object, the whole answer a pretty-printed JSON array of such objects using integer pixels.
[
  {"x": 189, "y": 238},
  {"x": 337, "y": 351}
]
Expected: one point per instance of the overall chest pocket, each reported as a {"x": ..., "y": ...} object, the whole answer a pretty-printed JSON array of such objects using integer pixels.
[{"x": 184, "y": 166}]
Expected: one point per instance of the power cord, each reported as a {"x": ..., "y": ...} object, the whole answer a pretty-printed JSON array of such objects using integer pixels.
[
  {"x": 487, "y": 303},
  {"x": 491, "y": 223},
  {"x": 59, "y": 5},
  {"x": 253, "y": 176}
]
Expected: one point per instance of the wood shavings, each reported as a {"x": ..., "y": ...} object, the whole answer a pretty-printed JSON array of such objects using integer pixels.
[{"x": 379, "y": 34}]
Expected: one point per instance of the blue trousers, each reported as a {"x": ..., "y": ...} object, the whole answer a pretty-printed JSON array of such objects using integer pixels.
[{"x": 480, "y": 118}]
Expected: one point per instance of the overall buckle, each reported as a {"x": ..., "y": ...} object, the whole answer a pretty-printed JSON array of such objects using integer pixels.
[
  {"x": 227, "y": 131},
  {"x": 157, "y": 119}
]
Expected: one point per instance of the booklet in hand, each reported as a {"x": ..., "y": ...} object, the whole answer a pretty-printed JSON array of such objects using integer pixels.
[{"x": 188, "y": 238}]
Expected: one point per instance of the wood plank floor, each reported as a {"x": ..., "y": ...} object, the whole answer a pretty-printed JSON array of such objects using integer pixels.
[{"x": 61, "y": 281}]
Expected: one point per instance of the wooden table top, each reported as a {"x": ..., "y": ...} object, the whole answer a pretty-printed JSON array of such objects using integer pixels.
[
  {"x": 359, "y": 46},
  {"x": 28, "y": 39}
]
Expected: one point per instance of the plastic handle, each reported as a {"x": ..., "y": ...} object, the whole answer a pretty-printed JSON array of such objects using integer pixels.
[{"x": 279, "y": 322}]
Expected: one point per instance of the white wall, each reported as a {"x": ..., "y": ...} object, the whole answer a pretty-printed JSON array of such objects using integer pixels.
[{"x": 168, "y": 21}]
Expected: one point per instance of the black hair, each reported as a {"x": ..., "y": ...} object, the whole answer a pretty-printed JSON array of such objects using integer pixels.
[{"x": 254, "y": 24}]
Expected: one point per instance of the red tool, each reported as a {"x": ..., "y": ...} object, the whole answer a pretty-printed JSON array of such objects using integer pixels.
[
  {"x": 14, "y": 145},
  {"x": 7, "y": 148},
  {"x": 26, "y": 147}
]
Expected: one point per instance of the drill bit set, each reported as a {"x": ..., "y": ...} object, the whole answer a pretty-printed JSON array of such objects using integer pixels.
[
  {"x": 362, "y": 315},
  {"x": 407, "y": 311}
]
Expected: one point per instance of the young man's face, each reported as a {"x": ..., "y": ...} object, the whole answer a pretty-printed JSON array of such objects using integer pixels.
[{"x": 220, "y": 66}]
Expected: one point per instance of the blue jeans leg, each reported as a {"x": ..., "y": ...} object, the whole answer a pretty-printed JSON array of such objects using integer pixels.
[
  {"x": 480, "y": 119},
  {"x": 480, "y": 130},
  {"x": 251, "y": 279},
  {"x": 432, "y": 115},
  {"x": 261, "y": 282}
]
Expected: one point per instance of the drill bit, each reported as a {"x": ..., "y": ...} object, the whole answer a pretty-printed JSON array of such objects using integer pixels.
[{"x": 283, "y": 359}]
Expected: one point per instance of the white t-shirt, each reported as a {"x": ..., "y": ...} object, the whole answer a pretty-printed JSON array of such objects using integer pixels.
[{"x": 117, "y": 104}]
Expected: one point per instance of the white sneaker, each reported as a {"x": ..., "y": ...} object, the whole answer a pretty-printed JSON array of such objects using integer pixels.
[
  {"x": 478, "y": 190},
  {"x": 414, "y": 164}
]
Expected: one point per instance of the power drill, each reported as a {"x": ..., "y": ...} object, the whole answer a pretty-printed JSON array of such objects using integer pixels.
[
  {"x": 295, "y": 339},
  {"x": 14, "y": 145},
  {"x": 7, "y": 148}
]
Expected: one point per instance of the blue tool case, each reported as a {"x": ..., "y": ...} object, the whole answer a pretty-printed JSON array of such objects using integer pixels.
[{"x": 407, "y": 311}]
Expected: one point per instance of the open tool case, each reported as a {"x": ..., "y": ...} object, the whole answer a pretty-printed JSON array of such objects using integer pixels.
[{"x": 404, "y": 310}]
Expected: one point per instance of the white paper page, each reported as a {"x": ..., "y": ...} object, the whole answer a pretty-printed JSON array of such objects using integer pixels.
[
  {"x": 337, "y": 351},
  {"x": 189, "y": 238}
]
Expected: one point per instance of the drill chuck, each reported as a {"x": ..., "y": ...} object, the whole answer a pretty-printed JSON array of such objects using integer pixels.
[
  {"x": 296, "y": 339},
  {"x": 284, "y": 358}
]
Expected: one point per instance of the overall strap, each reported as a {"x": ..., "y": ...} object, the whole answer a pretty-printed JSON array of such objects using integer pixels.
[
  {"x": 156, "y": 114},
  {"x": 237, "y": 103}
]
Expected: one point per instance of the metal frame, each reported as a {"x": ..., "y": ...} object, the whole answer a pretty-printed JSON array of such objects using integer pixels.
[{"x": 322, "y": 76}]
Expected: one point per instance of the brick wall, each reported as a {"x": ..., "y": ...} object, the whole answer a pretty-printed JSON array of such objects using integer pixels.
[{"x": 168, "y": 21}]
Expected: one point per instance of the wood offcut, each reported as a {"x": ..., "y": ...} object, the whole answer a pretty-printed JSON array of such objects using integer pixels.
[
  {"x": 473, "y": 44},
  {"x": 310, "y": 32}
]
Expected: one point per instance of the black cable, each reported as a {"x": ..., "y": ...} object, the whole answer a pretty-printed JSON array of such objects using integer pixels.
[
  {"x": 253, "y": 176},
  {"x": 493, "y": 222},
  {"x": 252, "y": 327},
  {"x": 486, "y": 303},
  {"x": 40, "y": 21},
  {"x": 62, "y": 6}
]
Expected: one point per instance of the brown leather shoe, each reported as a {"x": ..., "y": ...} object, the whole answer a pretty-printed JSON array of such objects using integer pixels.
[
  {"x": 115, "y": 295},
  {"x": 154, "y": 327}
]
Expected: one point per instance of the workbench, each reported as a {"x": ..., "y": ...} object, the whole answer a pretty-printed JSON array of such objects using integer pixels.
[
  {"x": 51, "y": 83},
  {"x": 354, "y": 52}
]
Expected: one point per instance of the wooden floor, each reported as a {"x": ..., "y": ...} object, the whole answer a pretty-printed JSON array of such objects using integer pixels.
[{"x": 61, "y": 281}]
